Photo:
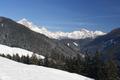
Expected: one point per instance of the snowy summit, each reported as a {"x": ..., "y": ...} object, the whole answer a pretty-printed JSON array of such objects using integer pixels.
[{"x": 81, "y": 34}]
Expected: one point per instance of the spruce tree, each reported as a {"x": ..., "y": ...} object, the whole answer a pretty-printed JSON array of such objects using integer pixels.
[
  {"x": 8, "y": 56},
  {"x": 17, "y": 57},
  {"x": 34, "y": 59},
  {"x": 111, "y": 70}
]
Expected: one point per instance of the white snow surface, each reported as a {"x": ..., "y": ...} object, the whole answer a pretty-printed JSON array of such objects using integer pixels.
[
  {"x": 11, "y": 70},
  {"x": 14, "y": 50},
  {"x": 81, "y": 34},
  {"x": 75, "y": 43},
  {"x": 68, "y": 44}
]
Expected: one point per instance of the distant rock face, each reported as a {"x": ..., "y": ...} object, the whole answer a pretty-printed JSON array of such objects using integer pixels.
[{"x": 17, "y": 35}]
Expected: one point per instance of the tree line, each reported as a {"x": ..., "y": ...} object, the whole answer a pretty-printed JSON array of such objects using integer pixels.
[{"x": 90, "y": 66}]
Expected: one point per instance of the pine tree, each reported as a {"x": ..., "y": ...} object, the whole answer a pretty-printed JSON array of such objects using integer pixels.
[
  {"x": 46, "y": 61},
  {"x": 34, "y": 59},
  {"x": 27, "y": 59},
  {"x": 17, "y": 57},
  {"x": 111, "y": 67},
  {"x": 87, "y": 65},
  {"x": 23, "y": 59},
  {"x": 97, "y": 66},
  {"x": 111, "y": 70},
  {"x": 79, "y": 64},
  {"x": 94, "y": 66},
  {"x": 2, "y": 55},
  {"x": 14, "y": 57},
  {"x": 8, "y": 56}
]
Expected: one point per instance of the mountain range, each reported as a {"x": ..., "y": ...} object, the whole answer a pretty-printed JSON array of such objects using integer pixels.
[
  {"x": 56, "y": 50},
  {"x": 26, "y": 35},
  {"x": 108, "y": 45},
  {"x": 14, "y": 34},
  {"x": 82, "y": 34}
]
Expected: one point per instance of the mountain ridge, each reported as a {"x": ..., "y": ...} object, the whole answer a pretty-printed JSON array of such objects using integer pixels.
[
  {"x": 17, "y": 35},
  {"x": 81, "y": 34},
  {"x": 108, "y": 44}
]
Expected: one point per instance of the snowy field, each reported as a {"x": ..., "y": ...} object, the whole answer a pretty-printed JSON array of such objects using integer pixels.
[
  {"x": 11, "y": 70},
  {"x": 14, "y": 50}
]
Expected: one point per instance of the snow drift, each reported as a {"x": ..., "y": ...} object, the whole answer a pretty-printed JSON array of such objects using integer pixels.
[{"x": 11, "y": 70}]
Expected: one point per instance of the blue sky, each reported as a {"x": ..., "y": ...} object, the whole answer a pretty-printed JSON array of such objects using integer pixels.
[{"x": 65, "y": 15}]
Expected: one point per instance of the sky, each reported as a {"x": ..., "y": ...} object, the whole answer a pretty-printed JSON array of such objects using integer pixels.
[{"x": 65, "y": 15}]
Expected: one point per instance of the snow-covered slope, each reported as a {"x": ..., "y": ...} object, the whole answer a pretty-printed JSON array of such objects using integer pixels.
[
  {"x": 13, "y": 50},
  {"x": 11, "y": 70},
  {"x": 82, "y": 34}
]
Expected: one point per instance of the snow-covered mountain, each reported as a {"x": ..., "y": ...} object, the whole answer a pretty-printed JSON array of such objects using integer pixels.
[
  {"x": 11, "y": 70},
  {"x": 106, "y": 44},
  {"x": 16, "y": 35},
  {"x": 82, "y": 34},
  {"x": 14, "y": 50}
]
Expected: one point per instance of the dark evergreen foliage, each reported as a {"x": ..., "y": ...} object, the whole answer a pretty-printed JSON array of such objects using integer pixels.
[{"x": 91, "y": 66}]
